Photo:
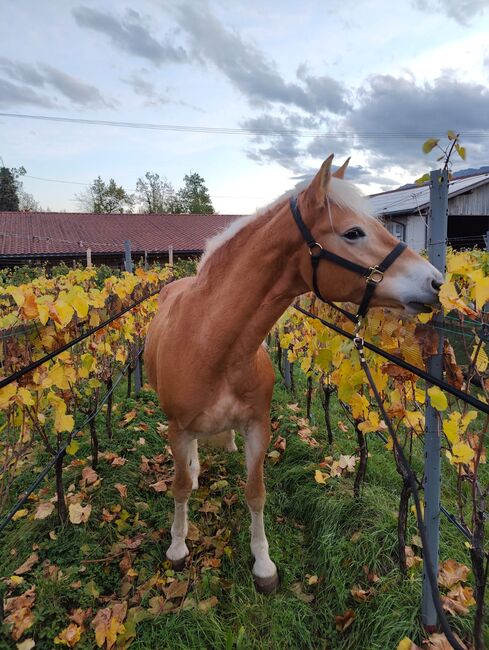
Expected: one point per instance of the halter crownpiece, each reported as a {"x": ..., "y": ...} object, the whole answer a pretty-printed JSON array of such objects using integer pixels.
[{"x": 373, "y": 274}]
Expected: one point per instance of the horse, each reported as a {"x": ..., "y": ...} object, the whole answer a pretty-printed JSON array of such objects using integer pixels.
[{"x": 204, "y": 351}]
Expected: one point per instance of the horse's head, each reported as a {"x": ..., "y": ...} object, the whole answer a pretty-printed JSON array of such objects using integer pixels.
[{"x": 339, "y": 219}]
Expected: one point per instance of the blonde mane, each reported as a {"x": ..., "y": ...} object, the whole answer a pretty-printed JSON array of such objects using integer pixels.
[{"x": 342, "y": 193}]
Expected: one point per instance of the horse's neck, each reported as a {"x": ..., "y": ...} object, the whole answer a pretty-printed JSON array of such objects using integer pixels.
[{"x": 249, "y": 282}]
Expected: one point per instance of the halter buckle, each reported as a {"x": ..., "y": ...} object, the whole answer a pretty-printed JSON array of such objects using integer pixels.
[
  {"x": 376, "y": 275},
  {"x": 315, "y": 245}
]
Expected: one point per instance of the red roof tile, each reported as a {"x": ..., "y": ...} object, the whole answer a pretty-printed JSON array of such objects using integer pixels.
[{"x": 54, "y": 233}]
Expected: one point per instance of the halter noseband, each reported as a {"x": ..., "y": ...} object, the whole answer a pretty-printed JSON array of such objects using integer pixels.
[{"x": 373, "y": 274}]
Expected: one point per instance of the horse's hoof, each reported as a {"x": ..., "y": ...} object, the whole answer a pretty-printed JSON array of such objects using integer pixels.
[
  {"x": 179, "y": 565},
  {"x": 267, "y": 585}
]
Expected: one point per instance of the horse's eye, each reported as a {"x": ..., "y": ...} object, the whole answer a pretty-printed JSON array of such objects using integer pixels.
[{"x": 354, "y": 233}]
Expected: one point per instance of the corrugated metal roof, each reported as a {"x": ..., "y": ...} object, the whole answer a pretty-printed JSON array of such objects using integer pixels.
[
  {"x": 51, "y": 233},
  {"x": 410, "y": 199}
]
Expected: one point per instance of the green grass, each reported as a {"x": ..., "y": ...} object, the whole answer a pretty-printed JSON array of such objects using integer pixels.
[{"x": 312, "y": 529}]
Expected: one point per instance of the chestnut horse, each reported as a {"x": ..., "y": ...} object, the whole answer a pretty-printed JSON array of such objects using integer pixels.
[{"x": 204, "y": 354}]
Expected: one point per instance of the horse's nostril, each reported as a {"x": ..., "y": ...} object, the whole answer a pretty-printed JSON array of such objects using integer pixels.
[{"x": 436, "y": 285}]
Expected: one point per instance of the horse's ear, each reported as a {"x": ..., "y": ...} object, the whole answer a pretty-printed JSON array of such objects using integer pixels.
[
  {"x": 340, "y": 172},
  {"x": 319, "y": 184}
]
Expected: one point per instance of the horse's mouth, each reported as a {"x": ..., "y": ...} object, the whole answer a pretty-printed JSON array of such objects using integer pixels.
[{"x": 418, "y": 308}]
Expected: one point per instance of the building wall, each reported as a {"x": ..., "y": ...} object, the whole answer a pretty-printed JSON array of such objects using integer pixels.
[
  {"x": 475, "y": 202},
  {"x": 414, "y": 230}
]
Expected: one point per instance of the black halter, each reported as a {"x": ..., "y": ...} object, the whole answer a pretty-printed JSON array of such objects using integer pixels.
[{"x": 373, "y": 274}]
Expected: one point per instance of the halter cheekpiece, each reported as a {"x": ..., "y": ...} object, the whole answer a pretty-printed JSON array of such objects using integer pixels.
[{"x": 373, "y": 274}]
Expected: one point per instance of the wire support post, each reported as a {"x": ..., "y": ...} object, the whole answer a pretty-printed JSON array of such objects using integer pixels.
[{"x": 437, "y": 234}]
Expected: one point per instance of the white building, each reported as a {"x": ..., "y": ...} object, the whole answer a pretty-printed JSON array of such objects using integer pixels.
[{"x": 406, "y": 212}]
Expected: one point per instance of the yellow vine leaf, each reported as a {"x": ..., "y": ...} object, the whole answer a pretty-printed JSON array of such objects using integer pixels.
[
  {"x": 461, "y": 453},
  {"x": 482, "y": 360},
  {"x": 25, "y": 397},
  {"x": 480, "y": 292},
  {"x": 438, "y": 398},
  {"x": 451, "y": 427},
  {"x": 7, "y": 394}
]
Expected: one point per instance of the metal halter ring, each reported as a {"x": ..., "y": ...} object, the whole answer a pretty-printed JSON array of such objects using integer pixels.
[
  {"x": 315, "y": 245},
  {"x": 376, "y": 275}
]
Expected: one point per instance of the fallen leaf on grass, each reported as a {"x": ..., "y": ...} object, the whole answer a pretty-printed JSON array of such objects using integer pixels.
[
  {"x": 320, "y": 477},
  {"x": 207, "y": 604},
  {"x": 159, "y": 486},
  {"x": 23, "y": 512},
  {"x": 451, "y": 572},
  {"x": 69, "y": 636},
  {"x": 412, "y": 560},
  {"x": 113, "y": 459},
  {"x": 344, "y": 621},
  {"x": 129, "y": 417},
  {"x": 440, "y": 642},
  {"x": 79, "y": 514},
  {"x": 27, "y": 644},
  {"x": 20, "y": 617},
  {"x": 359, "y": 594},
  {"x": 44, "y": 510},
  {"x": 296, "y": 588},
  {"x": 89, "y": 477},
  {"x": 274, "y": 456},
  {"x": 28, "y": 564},
  {"x": 407, "y": 644},
  {"x": 122, "y": 489},
  {"x": 294, "y": 407},
  {"x": 280, "y": 443},
  {"x": 176, "y": 589},
  {"x": 108, "y": 624}
]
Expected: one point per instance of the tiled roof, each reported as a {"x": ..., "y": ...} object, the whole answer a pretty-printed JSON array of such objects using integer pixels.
[{"x": 58, "y": 233}]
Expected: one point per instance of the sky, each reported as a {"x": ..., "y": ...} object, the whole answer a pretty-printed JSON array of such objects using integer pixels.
[{"x": 264, "y": 91}]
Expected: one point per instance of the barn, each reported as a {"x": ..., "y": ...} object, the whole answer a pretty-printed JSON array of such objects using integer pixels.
[
  {"x": 405, "y": 212},
  {"x": 54, "y": 237}
]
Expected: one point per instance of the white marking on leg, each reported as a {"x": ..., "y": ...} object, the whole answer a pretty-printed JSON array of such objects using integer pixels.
[
  {"x": 178, "y": 549},
  {"x": 263, "y": 567},
  {"x": 230, "y": 442},
  {"x": 194, "y": 464},
  {"x": 255, "y": 453}
]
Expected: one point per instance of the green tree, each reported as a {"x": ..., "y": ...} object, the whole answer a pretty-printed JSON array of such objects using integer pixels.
[
  {"x": 156, "y": 194},
  {"x": 104, "y": 198},
  {"x": 9, "y": 188},
  {"x": 194, "y": 196}
]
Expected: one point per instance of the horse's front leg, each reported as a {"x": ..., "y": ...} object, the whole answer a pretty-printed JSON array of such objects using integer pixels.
[
  {"x": 184, "y": 450},
  {"x": 264, "y": 570}
]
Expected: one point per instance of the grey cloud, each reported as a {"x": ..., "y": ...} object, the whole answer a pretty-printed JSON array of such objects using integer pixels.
[
  {"x": 130, "y": 34},
  {"x": 40, "y": 75},
  {"x": 77, "y": 91},
  {"x": 146, "y": 89},
  {"x": 15, "y": 95},
  {"x": 407, "y": 113},
  {"x": 248, "y": 69},
  {"x": 460, "y": 10},
  {"x": 19, "y": 71}
]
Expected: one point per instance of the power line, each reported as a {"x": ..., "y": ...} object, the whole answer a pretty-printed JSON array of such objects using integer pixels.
[{"x": 237, "y": 131}]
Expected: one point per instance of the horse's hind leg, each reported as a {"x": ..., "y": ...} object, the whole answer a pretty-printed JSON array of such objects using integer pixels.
[
  {"x": 182, "y": 446},
  {"x": 264, "y": 570}
]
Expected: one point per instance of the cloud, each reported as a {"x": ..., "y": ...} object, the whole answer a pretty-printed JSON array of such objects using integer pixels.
[
  {"x": 394, "y": 115},
  {"x": 246, "y": 67},
  {"x": 19, "y": 71},
  {"x": 77, "y": 91},
  {"x": 145, "y": 88},
  {"x": 460, "y": 10},
  {"x": 130, "y": 34},
  {"x": 14, "y": 95}
]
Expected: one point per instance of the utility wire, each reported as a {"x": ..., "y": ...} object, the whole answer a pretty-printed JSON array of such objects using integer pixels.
[{"x": 237, "y": 130}]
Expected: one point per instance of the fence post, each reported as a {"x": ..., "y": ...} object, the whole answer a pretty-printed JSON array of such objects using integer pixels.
[
  {"x": 89, "y": 258},
  {"x": 137, "y": 376},
  {"x": 437, "y": 235},
  {"x": 170, "y": 255},
  {"x": 127, "y": 256}
]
